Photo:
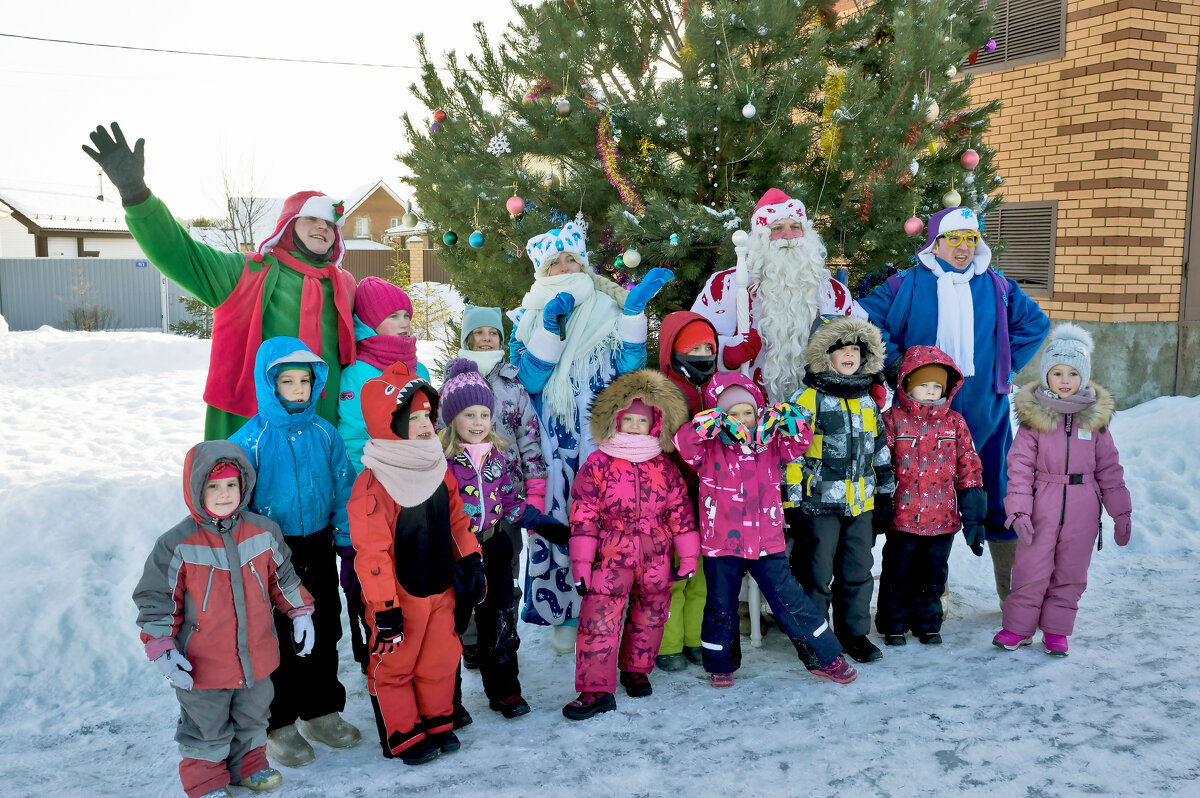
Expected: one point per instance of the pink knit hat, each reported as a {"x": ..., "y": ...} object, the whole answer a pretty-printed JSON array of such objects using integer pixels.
[{"x": 377, "y": 299}]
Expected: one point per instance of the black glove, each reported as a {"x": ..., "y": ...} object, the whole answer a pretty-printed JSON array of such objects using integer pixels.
[
  {"x": 581, "y": 584},
  {"x": 389, "y": 630},
  {"x": 470, "y": 586},
  {"x": 972, "y": 506},
  {"x": 553, "y": 531},
  {"x": 975, "y": 533},
  {"x": 126, "y": 168},
  {"x": 891, "y": 373},
  {"x": 529, "y": 517},
  {"x": 881, "y": 517}
]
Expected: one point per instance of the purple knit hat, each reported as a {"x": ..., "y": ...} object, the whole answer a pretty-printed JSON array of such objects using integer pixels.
[
  {"x": 464, "y": 387},
  {"x": 377, "y": 299}
]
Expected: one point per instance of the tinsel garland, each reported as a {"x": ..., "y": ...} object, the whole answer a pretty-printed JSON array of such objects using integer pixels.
[
  {"x": 606, "y": 143},
  {"x": 831, "y": 137}
]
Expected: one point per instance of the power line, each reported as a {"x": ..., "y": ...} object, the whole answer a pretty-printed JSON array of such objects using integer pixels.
[{"x": 216, "y": 55}]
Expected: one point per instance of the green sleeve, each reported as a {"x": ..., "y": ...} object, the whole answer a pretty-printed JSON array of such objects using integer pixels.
[{"x": 206, "y": 273}]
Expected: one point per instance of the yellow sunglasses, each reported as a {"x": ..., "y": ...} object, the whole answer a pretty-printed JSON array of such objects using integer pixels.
[{"x": 954, "y": 239}]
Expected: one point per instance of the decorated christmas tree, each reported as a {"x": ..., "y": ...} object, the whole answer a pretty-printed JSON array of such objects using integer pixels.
[{"x": 660, "y": 122}]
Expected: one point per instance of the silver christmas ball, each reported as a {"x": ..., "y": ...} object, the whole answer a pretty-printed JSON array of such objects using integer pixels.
[
  {"x": 748, "y": 110},
  {"x": 661, "y": 121},
  {"x": 563, "y": 108}
]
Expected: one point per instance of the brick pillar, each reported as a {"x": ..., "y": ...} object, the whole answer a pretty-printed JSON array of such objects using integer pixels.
[{"x": 416, "y": 258}]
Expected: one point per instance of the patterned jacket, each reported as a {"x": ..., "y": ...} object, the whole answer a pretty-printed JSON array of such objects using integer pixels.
[
  {"x": 848, "y": 461},
  {"x": 209, "y": 585},
  {"x": 487, "y": 492},
  {"x": 515, "y": 419},
  {"x": 932, "y": 453}
]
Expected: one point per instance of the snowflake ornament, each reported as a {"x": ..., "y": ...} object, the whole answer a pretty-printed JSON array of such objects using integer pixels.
[
  {"x": 581, "y": 223},
  {"x": 535, "y": 41},
  {"x": 499, "y": 145}
]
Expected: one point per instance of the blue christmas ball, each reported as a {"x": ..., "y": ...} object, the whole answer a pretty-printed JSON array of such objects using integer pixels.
[{"x": 476, "y": 239}]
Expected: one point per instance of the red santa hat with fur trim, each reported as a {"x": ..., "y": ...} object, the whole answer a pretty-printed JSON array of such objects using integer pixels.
[
  {"x": 316, "y": 205},
  {"x": 776, "y": 205}
]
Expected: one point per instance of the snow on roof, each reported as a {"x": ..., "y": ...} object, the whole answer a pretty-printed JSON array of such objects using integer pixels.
[
  {"x": 58, "y": 211},
  {"x": 364, "y": 243},
  {"x": 359, "y": 194}
]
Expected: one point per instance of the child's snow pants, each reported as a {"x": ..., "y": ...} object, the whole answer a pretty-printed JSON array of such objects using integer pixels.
[
  {"x": 833, "y": 565},
  {"x": 222, "y": 735},
  {"x": 1049, "y": 575},
  {"x": 911, "y": 583},
  {"x": 686, "y": 615},
  {"x": 412, "y": 689}
]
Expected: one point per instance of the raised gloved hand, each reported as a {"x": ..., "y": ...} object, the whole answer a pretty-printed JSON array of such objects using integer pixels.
[
  {"x": 882, "y": 515},
  {"x": 176, "y": 668},
  {"x": 553, "y": 530},
  {"x": 347, "y": 576},
  {"x": 783, "y": 417},
  {"x": 126, "y": 168},
  {"x": 303, "y": 634},
  {"x": 1121, "y": 529},
  {"x": 708, "y": 423},
  {"x": 389, "y": 630},
  {"x": 974, "y": 532},
  {"x": 732, "y": 432},
  {"x": 1021, "y": 524},
  {"x": 556, "y": 312},
  {"x": 644, "y": 291},
  {"x": 745, "y": 350}
]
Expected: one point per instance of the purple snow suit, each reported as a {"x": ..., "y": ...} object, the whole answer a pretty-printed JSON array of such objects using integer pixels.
[{"x": 1061, "y": 468}]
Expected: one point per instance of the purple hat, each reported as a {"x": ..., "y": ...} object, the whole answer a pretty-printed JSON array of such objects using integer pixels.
[
  {"x": 464, "y": 387},
  {"x": 948, "y": 220}
]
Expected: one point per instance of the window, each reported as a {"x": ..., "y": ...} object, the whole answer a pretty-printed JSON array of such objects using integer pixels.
[
  {"x": 1026, "y": 31},
  {"x": 362, "y": 227},
  {"x": 394, "y": 221},
  {"x": 1028, "y": 232}
]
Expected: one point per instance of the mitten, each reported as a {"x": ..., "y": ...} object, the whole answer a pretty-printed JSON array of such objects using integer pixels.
[
  {"x": 878, "y": 393},
  {"x": 470, "y": 580},
  {"x": 347, "y": 575},
  {"x": 552, "y": 530},
  {"x": 389, "y": 630},
  {"x": 974, "y": 533},
  {"x": 881, "y": 517},
  {"x": 126, "y": 168},
  {"x": 583, "y": 577},
  {"x": 972, "y": 507},
  {"x": 1021, "y": 524},
  {"x": 303, "y": 634},
  {"x": 529, "y": 517},
  {"x": 644, "y": 291},
  {"x": 707, "y": 423},
  {"x": 732, "y": 432},
  {"x": 556, "y": 312},
  {"x": 176, "y": 668},
  {"x": 891, "y": 373},
  {"x": 687, "y": 567},
  {"x": 745, "y": 351},
  {"x": 1121, "y": 529}
]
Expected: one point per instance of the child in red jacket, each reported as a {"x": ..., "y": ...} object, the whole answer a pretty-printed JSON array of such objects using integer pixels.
[
  {"x": 204, "y": 605},
  {"x": 413, "y": 550},
  {"x": 939, "y": 480},
  {"x": 629, "y": 514}
]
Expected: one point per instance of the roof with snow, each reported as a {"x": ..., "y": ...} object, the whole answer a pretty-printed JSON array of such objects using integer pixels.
[
  {"x": 58, "y": 212},
  {"x": 360, "y": 194}
]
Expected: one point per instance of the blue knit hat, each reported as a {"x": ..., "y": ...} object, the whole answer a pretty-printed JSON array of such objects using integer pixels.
[{"x": 475, "y": 317}]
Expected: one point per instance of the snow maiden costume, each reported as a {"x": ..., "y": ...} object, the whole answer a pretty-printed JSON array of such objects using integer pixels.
[{"x": 563, "y": 363}]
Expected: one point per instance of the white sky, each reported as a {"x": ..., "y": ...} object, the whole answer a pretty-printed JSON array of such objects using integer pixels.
[{"x": 296, "y": 126}]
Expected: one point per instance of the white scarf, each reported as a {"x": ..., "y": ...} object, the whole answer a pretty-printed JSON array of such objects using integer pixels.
[
  {"x": 591, "y": 337},
  {"x": 956, "y": 313},
  {"x": 410, "y": 470},
  {"x": 485, "y": 360}
]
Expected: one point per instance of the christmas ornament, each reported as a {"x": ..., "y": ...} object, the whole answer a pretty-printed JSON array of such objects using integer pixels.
[
  {"x": 914, "y": 167},
  {"x": 563, "y": 55},
  {"x": 580, "y": 222},
  {"x": 499, "y": 145},
  {"x": 969, "y": 160},
  {"x": 409, "y": 220},
  {"x": 933, "y": 147},
  {"x": 606, "y": 143},
  {"x": 476, "y": 240},
  {"x": 450, "y": 238},
  {"x": 563, "y": 108},
  {"x": 748, "y": 110},
  {"x": 661, "y": 121},
  {"x": 439, "y": 115},
  {"x": 515, "y": 206},
  {"x": 951, "y": 71},
  {"x": 551, "y": 180},
  {"x": 913, "y": 226},
  {"x": 435, "y": 127},
  {"x": 632, "y": 258},
  {"x": 674, "y": 239},
  {"x": 932, "y": 110},
  {"x": 990, "y": 47},
  {"x": 619, "y": 262},
  {"x": 951, "y": 199}
]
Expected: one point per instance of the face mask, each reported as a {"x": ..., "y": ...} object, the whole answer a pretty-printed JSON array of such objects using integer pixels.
[{"x": 696, "y": 369}]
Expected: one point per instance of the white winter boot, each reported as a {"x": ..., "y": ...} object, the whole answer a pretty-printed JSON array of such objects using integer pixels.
[
  {"x": 332, "y": 730},
  {"x": 287, "y": 747}
]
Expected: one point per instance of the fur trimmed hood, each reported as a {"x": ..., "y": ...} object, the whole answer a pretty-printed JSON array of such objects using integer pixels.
[
  {"x": 829, "y": 330},
  {"x": 653, "y": 388},
  {"x": 1034, "y": 414}
]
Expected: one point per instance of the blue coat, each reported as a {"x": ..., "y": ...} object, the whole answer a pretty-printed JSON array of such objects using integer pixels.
[{"x": 304, "y": 475}]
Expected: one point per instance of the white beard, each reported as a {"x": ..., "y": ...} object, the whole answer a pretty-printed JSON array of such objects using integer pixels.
[{"x": 791, "y": 278}]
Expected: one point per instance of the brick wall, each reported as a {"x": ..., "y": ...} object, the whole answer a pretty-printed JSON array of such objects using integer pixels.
[
  {"x": 381, "y": 209},
  {"x": 1107, "y": 132}
]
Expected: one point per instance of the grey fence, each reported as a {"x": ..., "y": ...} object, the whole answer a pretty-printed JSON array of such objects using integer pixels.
[{"x": 123, "y": 293}]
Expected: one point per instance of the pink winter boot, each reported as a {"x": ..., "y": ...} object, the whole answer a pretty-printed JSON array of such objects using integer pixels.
[
  {"x": 1056, "y": 645},
  {"x": 1009, "y": 641}
]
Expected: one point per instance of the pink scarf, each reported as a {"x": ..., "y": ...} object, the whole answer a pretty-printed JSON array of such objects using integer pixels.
[
  {"x": 634, "y": 448},
  {"x": 382, "y": 351},
  {"x": 409, "y": 470}
]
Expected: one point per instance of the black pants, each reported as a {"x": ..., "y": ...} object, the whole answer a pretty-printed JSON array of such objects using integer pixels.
[
  {"x": 833, "y": 565},
  {"x": 308, "y": 687},
  {"x": 915, "y": 568},
  {"x": 496, "y": 621}
]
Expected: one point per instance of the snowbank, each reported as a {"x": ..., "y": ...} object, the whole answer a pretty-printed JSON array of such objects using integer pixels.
[{"x": 95, "y": 426}]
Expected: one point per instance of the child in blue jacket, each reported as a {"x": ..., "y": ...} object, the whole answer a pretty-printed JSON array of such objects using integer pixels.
[{"x": 304, "y": 482}]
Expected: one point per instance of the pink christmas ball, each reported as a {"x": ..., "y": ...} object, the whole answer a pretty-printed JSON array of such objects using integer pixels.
[
  {"x": 515, "y": 205},
  {"x": 913, "y": 226},
  {"x": 969, "y": 159}
]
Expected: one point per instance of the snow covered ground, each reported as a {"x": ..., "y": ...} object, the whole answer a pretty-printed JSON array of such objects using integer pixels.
[{"x": 93, "y": 429}]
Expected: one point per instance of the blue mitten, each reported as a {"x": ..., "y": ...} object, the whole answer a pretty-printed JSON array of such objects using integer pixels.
[
  {"x": 556, "y": 312},
  {"x": 644, "y": 291}
]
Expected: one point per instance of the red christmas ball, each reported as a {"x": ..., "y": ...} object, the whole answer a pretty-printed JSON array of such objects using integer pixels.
[
  {"x": 913, "y": 226},
  {"x": 439, "y": 115},
  {"x": 969, "y": 159}
]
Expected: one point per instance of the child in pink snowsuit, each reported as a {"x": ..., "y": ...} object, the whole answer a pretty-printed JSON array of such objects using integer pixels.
[
  {"x": 1062, "y": 466},
  {"x": 629, "y": 513}
]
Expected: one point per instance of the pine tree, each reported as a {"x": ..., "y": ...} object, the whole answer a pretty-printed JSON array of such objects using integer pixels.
[
  {"x": 199, "y": 321},
  {"x": 662, "y": 121}
]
